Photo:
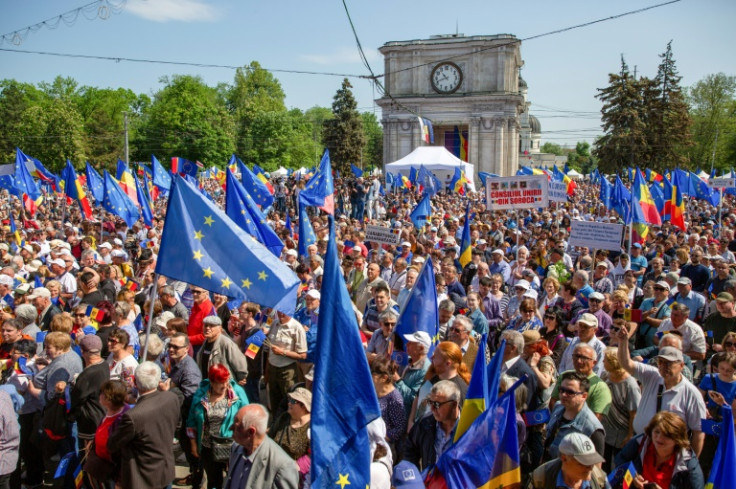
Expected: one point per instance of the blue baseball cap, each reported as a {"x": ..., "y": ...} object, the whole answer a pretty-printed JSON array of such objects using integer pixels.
[{"x": 407, "y": 476}]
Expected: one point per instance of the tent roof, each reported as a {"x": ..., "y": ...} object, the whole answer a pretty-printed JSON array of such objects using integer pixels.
[{"x": 432, "y": 157}]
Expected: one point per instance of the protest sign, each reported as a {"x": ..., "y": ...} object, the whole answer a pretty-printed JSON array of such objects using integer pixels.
[
  {"x": 517, "y": 192},
  {"x": 383, "y": 235},
  {"x": 596, "y": 235},
  {"x": 722, "y": 182},
  {"x": 557, "y": 191}
]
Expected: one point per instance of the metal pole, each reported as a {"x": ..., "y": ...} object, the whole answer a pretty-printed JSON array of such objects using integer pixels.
[
  {"x": 154, "y": 292},
  {"x": 713, "y": 155},
  {"x": 125, "y": 126},
  {"x": 720, "y": 208}
]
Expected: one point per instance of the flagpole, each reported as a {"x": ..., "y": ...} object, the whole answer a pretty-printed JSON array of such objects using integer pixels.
[
  {"x": 150, "y": 315},
  {"x": 720, "y": 207}
]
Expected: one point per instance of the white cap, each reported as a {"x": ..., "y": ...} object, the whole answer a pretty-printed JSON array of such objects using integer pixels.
[
  {"x": 117, "y": 241},
  {"x": 292, "y": 252},
  {"x": 523, "y": 284},
  {"x": 40, "y": 292},
  {"x": 664, "y": 284},
  {"x": 498, "y": 251},
  {"x": 6, "y": 281},
  {"x": 57, "y": 261},
  {"x": 106, "y": 245},
  {"x": 420, "y": 337},
  {"x": 118, "y": 254},
  {"x": 314, "y": 294}
]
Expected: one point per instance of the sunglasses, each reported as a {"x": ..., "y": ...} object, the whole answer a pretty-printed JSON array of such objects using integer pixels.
[
  {"x": 113, "y": 341},
  {"x": 457, "y": 330},
  {"x": 582, "y": 357},
  {"x": 197, "y": 292},
  {"x": 437, "y": 404},
  {"x": 80, "y": 315},
  {"x": 729, "y": 344},
  {"x": 293, "y": 401},
  {"x": 661, "y": 289},
  {"x": 549, "y": 316},
  {"x": 569, "y": 392},
  {"x": 174, "y": 347}
]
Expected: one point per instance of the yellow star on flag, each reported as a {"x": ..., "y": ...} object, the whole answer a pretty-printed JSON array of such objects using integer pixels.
[
  {"x": 198, "y": 235},
  {"x": 262, "y": 275},
  {"x": 343, "y": 481},
  {"x": 247, "y": 283},
  {"x": 198, "y": 255},
  {"x": 226, "y": 282},
  {"x": 208, "y": 272},
  {"x": 208, "y": 220}
]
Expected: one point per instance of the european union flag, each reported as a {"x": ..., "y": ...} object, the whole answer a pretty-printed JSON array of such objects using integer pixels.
[
  {"x": 202, "y": 246},
  {"x": 723, "y": 472},
  {"x": 94, "y": 183},
  {"x": 306, "y": 232},
  {"x": 487, "y": 455},
  {"x": 421, "y": 212},
  {"x": 621, "y": 200},
  {"x": 23, "y": 182},
  {"x": 183, "y": 167},
  {"x": 343, "y": 399},
  {"x": 420, "y": 311},
  {"x": 605, "y": 192},
  {"x": 356, "y": 171},
  {"x": 118, "y": 202},
  {"x": 413, "y": 175},
  {"x": 240, "y": 207},
  {"x": 160, "y": 176},
  {"x": 703, "y": 191},
  {"x": 320, "y": 189},
  {"x": 288, "y": 226},
  {"x": 657, "y": 196},
  {"x": 484, "y": 175},
  {"x": 428, "y": 181},
  {"x": 254, "y": 186},
  {"x": 145, "y": 203}
]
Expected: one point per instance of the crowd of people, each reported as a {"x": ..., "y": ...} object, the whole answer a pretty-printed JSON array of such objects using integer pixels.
[{"x": 622, "y": 353}]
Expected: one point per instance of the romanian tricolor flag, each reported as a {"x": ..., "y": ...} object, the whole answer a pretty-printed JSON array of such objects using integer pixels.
[
  {"x": 674, "y": 206},
  {"x": 640, "y": 193},
  {"x": 74, "y": 190},
  {"x": 466, "y": 252},
  {"x": 261, "y": 175},
  {"x": 125, "y": 180},
  {"x": 487, "y": 455}
]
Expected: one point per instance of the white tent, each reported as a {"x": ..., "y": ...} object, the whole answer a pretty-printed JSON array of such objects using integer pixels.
[
  {"x": 435, "y": 159},
  {"x": 703, "y": 175},
  {"x": 574, "y": 175},
  {"x": 281, "y": 172}
]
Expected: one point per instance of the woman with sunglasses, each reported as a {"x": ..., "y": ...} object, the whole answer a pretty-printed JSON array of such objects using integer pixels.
[
  {"x": 553, "y": 326},
  {"x": 291, "y": 429},
  {"x": 527, "y": 318}
]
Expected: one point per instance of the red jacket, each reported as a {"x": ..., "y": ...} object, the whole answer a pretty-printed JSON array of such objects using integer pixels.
[{"x": 196, "y": 317}]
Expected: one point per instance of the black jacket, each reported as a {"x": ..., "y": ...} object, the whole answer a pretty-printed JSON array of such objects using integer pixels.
[{"x": 419, "y": 446}]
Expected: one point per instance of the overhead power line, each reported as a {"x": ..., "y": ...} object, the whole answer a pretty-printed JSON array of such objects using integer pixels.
[{"x": 98, "y": 9}]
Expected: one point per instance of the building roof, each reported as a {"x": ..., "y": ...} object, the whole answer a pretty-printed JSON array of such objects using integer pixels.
[{"x": 535, "y": 124}]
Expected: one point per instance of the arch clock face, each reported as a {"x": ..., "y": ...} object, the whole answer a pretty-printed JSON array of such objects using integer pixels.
[{"x": 446, "y": 77}]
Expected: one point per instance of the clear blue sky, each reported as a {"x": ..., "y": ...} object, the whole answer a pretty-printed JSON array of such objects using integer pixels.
[{"x": 562, "y": 70}]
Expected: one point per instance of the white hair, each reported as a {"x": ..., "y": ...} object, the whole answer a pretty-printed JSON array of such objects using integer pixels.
[{"x": 147, "y": 377}]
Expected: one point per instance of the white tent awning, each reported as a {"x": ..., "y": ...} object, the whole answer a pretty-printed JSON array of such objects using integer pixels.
[{"x": 435, "y": 159}]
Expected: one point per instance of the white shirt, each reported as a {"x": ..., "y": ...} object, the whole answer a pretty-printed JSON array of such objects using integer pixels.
[{"x": 693, "y": 338}]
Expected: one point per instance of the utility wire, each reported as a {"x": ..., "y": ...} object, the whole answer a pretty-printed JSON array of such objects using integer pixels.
[
  {"x": 118, "y": 59},
  {"x": 91, "y": 11}
]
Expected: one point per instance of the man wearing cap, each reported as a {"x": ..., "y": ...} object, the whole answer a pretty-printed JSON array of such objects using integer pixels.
[
  {"x": 595, "y": 303},
  {"x": 694, "y": 301},
  {"x": 576, "y": 467},
  {"x": 500, "y": 265},
  {"x": 86, "y": 409},
  {"x": 693, "y": 339},
  {"x": 170, "y": 303},
  {"x": 586, "y": 325},
  {"x": 722, "y": 321},
  {"x": 601, "y": 282},
  {"x": 41, "y": 299},
  {"x": 309, "y": 313},
  {"x": 655, "y": 309},
  {"x": 664, "y": 388},
  {"x": 411, "y": 379},
  {"x": 104, "y": 250},
  {"x": 220, "y": 349}
]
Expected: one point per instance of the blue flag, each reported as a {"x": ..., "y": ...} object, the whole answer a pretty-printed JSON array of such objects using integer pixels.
[
  {"x": 202, "y": 246},
  {"x": 240, "y": 207},
  {"x": 494, "y": 373},
  {"x": 161, "y": 178},
  {"x": 428, "y": 181},
  {"x": 413, "y": 175},
  {"x": 420, "y": 311},
  {"x": 657, "y": 196},
  {"x": 621, "y": 200},
  {"x": 288, "y": 226},
  {"x": 320, "y": 189},
  {"x": 356, "y": 171},
  {"x": 306, "y": 232},
  {"x": 488, "y": 454},
  {"x": 723, "y": 471},
  {"x": 94, "y": 183},
  {"x": 118, "y": 202},
  {"x": 703, "y": 191},
  {"x": 421, "y": 212},
  {"x": 606, "y": 192},
  {"x": 23, "y": 182},
  {"x": 145, "y": 203},
  {"x": 254, "y": 186},
  {"x": 343, "y": 400}
]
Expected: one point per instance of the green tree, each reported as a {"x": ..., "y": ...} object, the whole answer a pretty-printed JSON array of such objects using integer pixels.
[
  {"x": 712, "y": 107},
  {"x": 343, "y": 135},
  {"x": 187, "y": 118},
  {"x": 624, "y": 140},
  {"x": 316, "y": 116},
  {"x": 53, "y": 133},
  {"x": 15, "y": 99},
  {"x": 552, "y": 148},
  {"x": 102, "y": 110},
  {"x": 666, "y": 116},
  {"x": 581, "y": 159},
  {"x": 373, "y": 152}
]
